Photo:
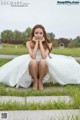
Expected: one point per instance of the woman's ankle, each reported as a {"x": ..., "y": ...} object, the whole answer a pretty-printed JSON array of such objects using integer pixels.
[
  {"x": 35, "y": 85},
  {"x": 41, "y": 87}
]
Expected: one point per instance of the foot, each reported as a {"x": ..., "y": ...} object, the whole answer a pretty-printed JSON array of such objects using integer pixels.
[
  {"x": 41, "y": 87},
  {"x": 35, "y": 86}
]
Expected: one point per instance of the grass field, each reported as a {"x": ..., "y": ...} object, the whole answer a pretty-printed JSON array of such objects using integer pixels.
[
  {"x": 67, "y": 51},
  {"x": 50, "y": 90},
  {"x": 11, "y": 49}
]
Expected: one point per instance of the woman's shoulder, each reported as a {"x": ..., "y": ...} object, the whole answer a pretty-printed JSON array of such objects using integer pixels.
[{"x": 50, "y": 45}]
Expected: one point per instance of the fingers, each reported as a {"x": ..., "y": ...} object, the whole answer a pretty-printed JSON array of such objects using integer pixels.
[
  {"x": 34, "y": 40},
  {"x": 38, "y": 40}
]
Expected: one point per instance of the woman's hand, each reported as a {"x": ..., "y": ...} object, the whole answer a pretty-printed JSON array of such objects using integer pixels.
[
  {"x": 42, "y": 40},
  {"x": 34, "y": 40}
]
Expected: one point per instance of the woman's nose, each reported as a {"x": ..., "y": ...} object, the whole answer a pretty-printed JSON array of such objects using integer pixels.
[{"x": 39, "y": 35}]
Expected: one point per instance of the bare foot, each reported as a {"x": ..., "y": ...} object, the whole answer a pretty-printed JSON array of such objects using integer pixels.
[
  {"x": 41, "y": 87},
  {"x": 35, "y": 86}
]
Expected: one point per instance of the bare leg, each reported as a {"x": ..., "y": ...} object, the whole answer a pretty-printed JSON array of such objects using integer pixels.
[
  {"x": 43, "y": 69},
  {"x": 33, "y": 71}
]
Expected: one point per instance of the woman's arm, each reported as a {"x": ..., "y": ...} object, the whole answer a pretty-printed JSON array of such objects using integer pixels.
[
  {"x": 44, "y": 52},
  {"x": 32, "y": 50}
]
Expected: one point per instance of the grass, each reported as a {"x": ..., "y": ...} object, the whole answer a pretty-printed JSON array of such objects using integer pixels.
[
  {"x": 78, "y": 61},
  {"x": 67, "y": 51},
  {"x": 35, "y": 106},
  {"x": 4, "y": 60},
  {"x": 11, "y": 49},
  {"x": 50, "y": 90}
]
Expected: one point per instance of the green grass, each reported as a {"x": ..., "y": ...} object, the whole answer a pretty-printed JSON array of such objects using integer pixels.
[
  {"x": 35, "y": 106},
  {"x": 78, "y": 61},
  {"x": 67, "y": 51},
  {"x": 11, "y": 49},
  {"x": 50, "y": 90},
  {"x": 3, "y": 61}
]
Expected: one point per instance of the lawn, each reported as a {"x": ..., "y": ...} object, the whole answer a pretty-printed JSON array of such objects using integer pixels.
[
  {"x": 50, "y": 90},
  {"x": 21, "y": 49},
  {"x": 67, "y": 51},
  {"x": 11, "y": 49}
]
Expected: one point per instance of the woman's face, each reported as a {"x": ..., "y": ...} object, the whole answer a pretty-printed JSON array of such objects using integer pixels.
[{"x": 38, "y": 33}]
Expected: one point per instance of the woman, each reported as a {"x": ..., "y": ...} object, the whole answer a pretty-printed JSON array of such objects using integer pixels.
[{"x": 40, "y": 65}]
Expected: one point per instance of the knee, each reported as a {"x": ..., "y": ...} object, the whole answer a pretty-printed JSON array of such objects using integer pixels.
[
  {"x": 33, "y": 62},
  {"x": 43, "y": 62}
]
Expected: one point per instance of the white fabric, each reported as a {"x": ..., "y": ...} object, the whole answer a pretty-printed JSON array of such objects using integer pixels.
[
  {"x": 38, "y": 55},
  {"x": 62, "y": 69}
]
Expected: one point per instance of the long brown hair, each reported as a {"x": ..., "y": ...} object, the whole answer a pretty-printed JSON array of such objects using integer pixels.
[{"x": 47, "y": 40}]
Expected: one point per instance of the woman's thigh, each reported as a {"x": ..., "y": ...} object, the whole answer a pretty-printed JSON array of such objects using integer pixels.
[
  {"x": 32, "y": 66},
  {"x": 43, "y": 65}
]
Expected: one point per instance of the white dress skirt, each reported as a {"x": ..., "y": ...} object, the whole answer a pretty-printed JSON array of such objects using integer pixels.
[{"x": 61, "y": 69}]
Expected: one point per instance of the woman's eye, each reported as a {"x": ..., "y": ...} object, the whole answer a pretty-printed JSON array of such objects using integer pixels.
[
  {"x": 41, "y": 33},
  {"x": 36, "y": 32}
]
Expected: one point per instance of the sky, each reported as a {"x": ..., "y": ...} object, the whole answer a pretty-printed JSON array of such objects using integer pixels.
[{"x": 62, "y": 20}]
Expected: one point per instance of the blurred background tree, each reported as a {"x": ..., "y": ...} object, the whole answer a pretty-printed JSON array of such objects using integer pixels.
[{"x": 17, "y": 37}]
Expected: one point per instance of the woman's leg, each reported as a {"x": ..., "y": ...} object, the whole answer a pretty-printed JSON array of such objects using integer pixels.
[
  {"x": 43, "y": 69},
  {"x": 33, "y": 71}
]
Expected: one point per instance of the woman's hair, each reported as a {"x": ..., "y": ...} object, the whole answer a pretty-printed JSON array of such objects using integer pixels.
[{"x": 47, "y": 40}]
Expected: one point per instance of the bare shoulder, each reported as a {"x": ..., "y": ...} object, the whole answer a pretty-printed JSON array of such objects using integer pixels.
[
  {"x": 30, "y": 44},
  {"x": 50, "y": 45}
]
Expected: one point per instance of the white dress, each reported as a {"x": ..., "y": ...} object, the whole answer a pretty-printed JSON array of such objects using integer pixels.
[{"x": 62, "y": 69}]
